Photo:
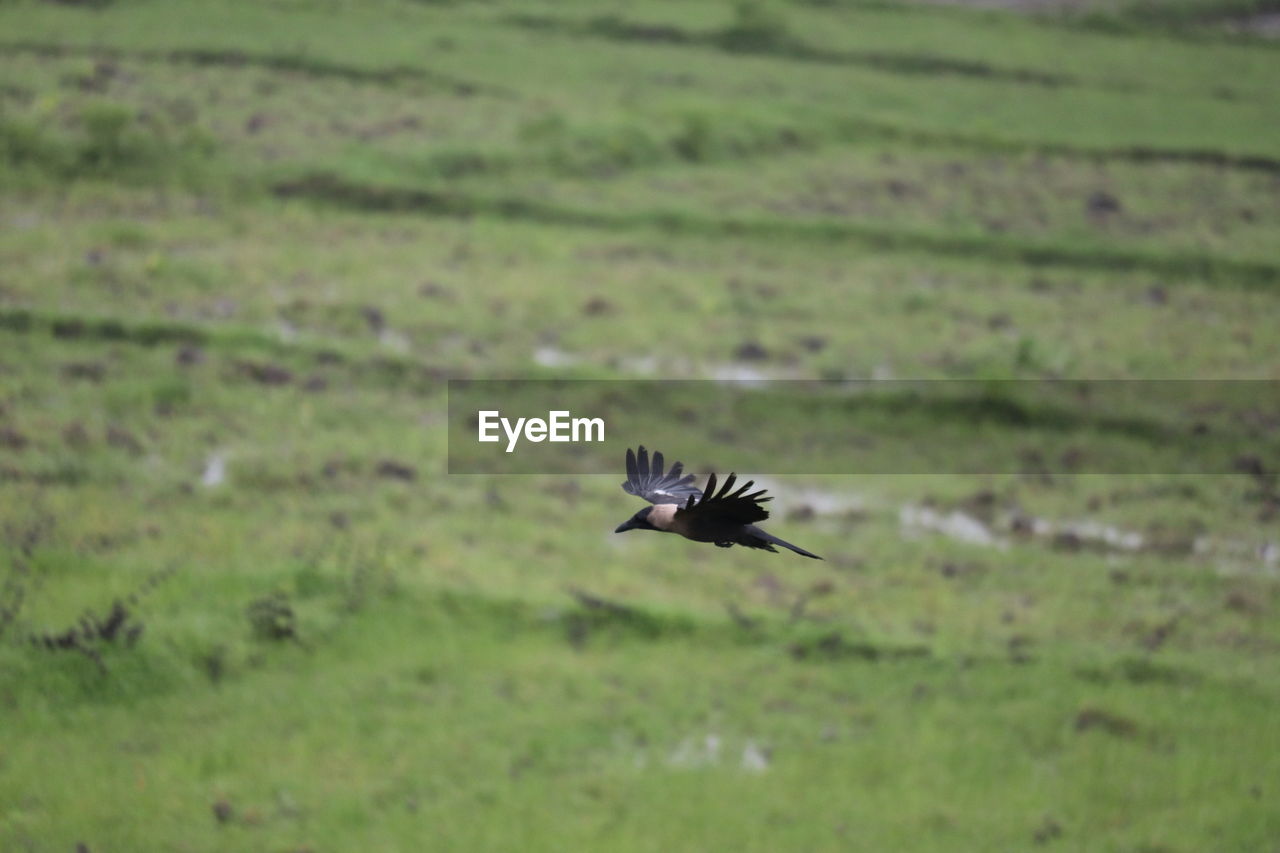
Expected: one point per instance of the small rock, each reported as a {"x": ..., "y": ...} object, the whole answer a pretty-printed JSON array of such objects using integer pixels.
[{"x": 215, "y": 470}]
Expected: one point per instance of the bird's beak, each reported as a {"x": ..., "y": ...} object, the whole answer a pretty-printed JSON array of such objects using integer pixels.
[{"x": 624, "y": 526}]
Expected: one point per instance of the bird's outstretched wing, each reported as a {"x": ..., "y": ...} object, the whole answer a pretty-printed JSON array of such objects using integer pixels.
[
  {"x": 726, "y": 507},
  {"x": 645, "y": 480}
]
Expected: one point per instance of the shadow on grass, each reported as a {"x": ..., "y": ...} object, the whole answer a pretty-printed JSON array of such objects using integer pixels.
[
  {"x": 68, "y": 327},
  {"x": 298, "y": 63},
  {"x": 1141, "y": 671},
  {"x": 408, "y": 374},
  {"x": 764, "y": 38},
  {"x": 332, "y": 189},
  {"x": 834, "y": 646}
]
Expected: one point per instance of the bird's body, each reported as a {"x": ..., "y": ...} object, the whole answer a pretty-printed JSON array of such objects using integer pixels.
[{"x": 722, "y": 517}]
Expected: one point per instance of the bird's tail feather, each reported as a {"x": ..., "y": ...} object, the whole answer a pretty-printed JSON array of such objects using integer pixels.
[{"x": 768, "y": 539}]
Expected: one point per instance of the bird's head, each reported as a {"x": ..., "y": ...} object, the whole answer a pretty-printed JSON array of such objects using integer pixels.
[{"x": 639, "y": 521}]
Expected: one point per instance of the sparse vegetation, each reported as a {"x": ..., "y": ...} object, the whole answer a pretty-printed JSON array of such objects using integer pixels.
[{"x": 245, "y": 245}]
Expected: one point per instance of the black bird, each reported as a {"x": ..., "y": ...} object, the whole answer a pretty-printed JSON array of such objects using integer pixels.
[{"x": 722, "y": 517}]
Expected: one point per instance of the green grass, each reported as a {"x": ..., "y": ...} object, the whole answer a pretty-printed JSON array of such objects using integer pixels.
[{"x": 246, "y": 244}]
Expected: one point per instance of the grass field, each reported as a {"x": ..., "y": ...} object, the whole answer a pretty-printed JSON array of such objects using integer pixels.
[{"x": 243, "y": 606}]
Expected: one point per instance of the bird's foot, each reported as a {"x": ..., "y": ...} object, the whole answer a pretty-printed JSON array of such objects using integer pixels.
[{"x": 724, "y": 544}]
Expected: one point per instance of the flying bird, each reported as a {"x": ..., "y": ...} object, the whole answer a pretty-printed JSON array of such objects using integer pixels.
[{"x": 724, "y": 517}]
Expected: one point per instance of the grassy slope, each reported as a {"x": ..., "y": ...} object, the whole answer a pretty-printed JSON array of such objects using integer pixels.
[{"x": 502, "y": 183}]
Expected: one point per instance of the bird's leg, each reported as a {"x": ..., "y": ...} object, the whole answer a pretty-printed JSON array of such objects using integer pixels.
[{"x": 724, "y": 544}]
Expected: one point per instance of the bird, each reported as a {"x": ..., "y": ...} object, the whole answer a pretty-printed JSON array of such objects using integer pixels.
[{"x": 724, "y": 517}]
